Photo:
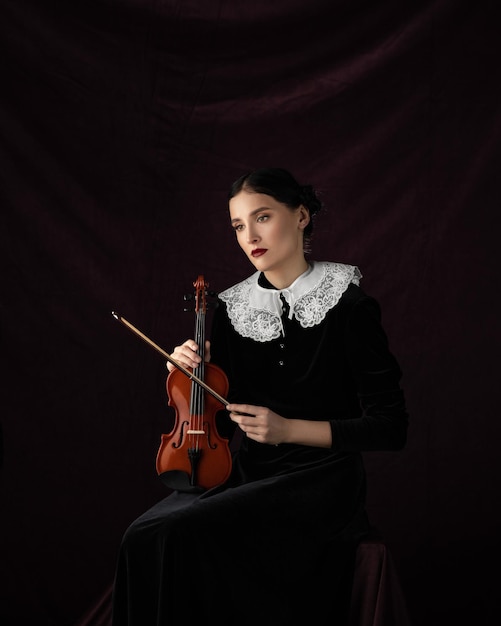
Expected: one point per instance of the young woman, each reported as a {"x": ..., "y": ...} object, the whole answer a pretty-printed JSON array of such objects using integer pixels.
[{"x": 312, "y": 385}]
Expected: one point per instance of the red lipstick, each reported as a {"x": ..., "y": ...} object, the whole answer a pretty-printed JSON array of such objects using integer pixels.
[{"x": 258, "y": 252}]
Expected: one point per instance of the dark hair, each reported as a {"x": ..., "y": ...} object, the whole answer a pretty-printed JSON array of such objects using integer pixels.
[{"x": 281, "y": 185}]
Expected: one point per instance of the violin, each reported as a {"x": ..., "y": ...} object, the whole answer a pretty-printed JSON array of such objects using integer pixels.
[
  {"x": 193, "y": 456},
  {"x": 194, "y": 450}
]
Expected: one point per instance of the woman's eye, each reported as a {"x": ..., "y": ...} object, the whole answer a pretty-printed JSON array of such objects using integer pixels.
[
  {"x": 238, "y": 227},
  {"x": 262, "y": 218}
]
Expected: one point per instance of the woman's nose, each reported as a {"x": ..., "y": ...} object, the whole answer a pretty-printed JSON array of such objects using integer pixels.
[{"x": 252, "y": 236}]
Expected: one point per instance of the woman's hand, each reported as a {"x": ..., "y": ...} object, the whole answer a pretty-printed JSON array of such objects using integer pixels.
[
  {"x": 259, "y": 423},
  {"x": 186, "y": 355},
  {"x": 263, "y": 425}
]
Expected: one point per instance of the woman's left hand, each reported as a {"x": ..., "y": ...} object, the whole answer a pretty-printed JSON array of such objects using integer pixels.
[{"x": 259, "y": 423}]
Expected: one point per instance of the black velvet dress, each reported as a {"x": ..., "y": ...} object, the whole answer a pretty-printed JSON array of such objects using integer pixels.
[{"x": 275, "y": 545}]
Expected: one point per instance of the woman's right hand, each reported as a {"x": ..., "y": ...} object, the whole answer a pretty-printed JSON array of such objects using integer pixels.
[{"x": 186, "y": 355}]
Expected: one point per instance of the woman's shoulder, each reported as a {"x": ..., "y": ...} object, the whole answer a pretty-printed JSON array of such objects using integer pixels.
[
  {"x": 355, "y": 295},
  {"x": 346, "y": 277},
  {"x": 242, "y": 286},
  {"x": 332, "y": 274}
]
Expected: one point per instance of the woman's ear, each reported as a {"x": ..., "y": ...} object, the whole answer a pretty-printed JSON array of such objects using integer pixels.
[{"x": 304, "y": 217}]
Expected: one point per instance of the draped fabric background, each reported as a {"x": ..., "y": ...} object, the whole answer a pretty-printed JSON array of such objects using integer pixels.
[{"x": 122, "y": 126}]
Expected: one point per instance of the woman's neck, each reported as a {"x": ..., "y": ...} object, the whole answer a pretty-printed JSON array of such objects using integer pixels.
[{"x": 281, "y": 279}]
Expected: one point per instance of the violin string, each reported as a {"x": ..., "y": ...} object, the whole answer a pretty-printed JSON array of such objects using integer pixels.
[
  {"x": 200, "y": 340},
  {"x": 194, "y": 394},
  {"x": 198, "y": 408}
]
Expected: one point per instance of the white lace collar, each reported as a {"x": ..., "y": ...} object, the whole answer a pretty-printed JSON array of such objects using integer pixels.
[{"x": 256, "y": 312}]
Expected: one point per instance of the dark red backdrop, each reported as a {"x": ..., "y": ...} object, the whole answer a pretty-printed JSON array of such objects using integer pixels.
[{"x": 122, "y": 125}]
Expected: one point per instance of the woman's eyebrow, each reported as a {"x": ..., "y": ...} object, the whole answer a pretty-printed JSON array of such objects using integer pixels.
[{"x": 263, "y": 208}]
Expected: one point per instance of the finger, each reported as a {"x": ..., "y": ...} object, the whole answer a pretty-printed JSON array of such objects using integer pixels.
[
  {"x": 190, "y": 344},
  {"x": 186, "y": 355},
  {"x": 244, "y": 409},
  {"x": 246, "y": 422}
]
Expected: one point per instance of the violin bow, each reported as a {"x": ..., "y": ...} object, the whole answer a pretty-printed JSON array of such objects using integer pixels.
[{"x": 168, "y": 357}]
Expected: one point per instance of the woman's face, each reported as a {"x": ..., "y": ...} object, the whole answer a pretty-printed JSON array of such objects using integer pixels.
[{"x": 269, "y": 232}]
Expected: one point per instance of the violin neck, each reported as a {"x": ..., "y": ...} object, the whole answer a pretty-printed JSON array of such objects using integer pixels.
[
  {"x": 197, "y": 404},
  {"x": 200, "y": 333}
]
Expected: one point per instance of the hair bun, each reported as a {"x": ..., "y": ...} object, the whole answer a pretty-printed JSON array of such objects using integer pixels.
[{"x": 310, "y": 199}]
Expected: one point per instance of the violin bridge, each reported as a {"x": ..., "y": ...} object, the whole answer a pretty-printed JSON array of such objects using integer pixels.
[{"x": 195, "y": 432}]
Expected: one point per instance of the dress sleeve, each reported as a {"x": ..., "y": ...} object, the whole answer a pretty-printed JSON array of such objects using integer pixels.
[{"x": 384, "y": 420}]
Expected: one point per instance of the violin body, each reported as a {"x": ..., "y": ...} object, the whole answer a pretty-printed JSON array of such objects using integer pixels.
[
  {"x": 193, "y": 456},
  {"x": 194, "y": 446}
]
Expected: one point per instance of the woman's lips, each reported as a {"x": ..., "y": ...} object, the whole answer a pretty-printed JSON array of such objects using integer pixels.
[{"x": 258, "y": 252}]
